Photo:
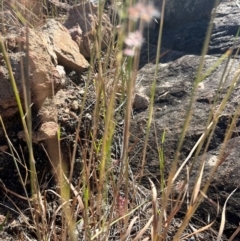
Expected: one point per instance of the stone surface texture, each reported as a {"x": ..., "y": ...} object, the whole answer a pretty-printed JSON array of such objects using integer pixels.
[
  {"x": 177, "y": 70},
  {"x": 82, "y": 24},
  {"x": 67, "y": 51},
  {"x": 178, "y": 12},
  {"x": 49, "y": 49}
]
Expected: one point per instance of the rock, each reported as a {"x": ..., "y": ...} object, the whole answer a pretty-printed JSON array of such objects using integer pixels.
[
  {"x": 82, "y": 24},
  {"x": 47, "y": 131},
  {"x": 8, "y": 105},
  {"x": 190, "y": 37},
  {"x": 75, "y": 105},
  {"x": 181, "y": 49},
  {"x": 60, "y": 6},
  {"x": 48, "y": 111},
  {"x": 140, "y": 101},
  {"x": 44, "y": 77},
  {"x": 172, "y": 95},
  {"x": 175, "y": 81},
  {"x": 226, "y": 25},
  {"x": 178, "y": 12},
  {"x": 62, "y": 74},
  {"x": 33, "y": 6},
  {"x": 31, "y": 11},
  {"x": 8, "y": 22},
  {"x": 66, "y": 50},
  {"x": 46, "y": 50}
]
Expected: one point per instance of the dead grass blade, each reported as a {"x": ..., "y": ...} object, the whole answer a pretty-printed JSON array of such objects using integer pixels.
[
  {"x": 155, "y": 215},
  {"x": 191, "y": 153},
  {"x": 124, "y": 237},
  {"x": 143, "y": 230},
  {"x": 174, "y": 211},
  {"x": 198, "y": 185},
  {"x": 224, "y": 217},
  {"x": 116, "y": 221},
  {"x": 198, "y": 231},
  {"x": 235, "y": 234},
  {"x": 53, "y": 221},
  {"x": 75, "y": 192}
]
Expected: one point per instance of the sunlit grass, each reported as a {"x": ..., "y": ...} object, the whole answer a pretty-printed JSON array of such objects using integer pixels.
[{"x": 98, "y": 197}]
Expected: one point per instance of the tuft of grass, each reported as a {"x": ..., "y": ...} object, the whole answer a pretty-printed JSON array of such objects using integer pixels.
[{"x": 107, "y": 198}]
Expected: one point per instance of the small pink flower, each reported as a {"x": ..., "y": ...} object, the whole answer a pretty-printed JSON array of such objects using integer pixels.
[
  {"x": 134, "y": 11},
  {"x": 143, "y": 12},
  {"x": 134, "y": 39},
  {"x": 129, "y": 52},
  {"x": 121, "y": 202}
]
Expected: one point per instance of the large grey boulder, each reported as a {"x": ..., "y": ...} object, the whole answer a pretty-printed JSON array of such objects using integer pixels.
[
  {"x": 174, "y": 83},
  {"x": 189, "y": 37},
  {"x": 178, "y": 12},
  {"x": 181, "y": 48}
]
